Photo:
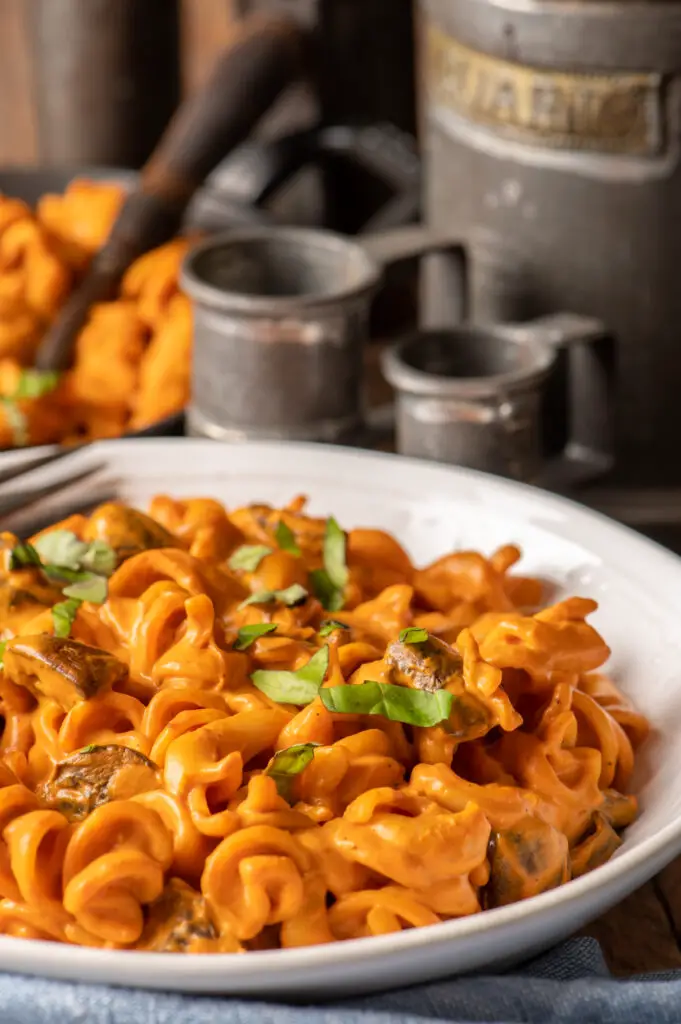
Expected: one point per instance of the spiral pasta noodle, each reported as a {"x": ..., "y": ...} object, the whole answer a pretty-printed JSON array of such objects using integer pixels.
[{"x": 249, "y": 729}]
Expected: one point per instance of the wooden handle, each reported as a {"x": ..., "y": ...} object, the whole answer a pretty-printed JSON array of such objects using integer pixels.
[{"x": 266, "y": 56}]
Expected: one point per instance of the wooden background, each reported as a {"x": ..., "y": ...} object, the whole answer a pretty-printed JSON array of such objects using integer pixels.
[{"x": 205, "y": 30}]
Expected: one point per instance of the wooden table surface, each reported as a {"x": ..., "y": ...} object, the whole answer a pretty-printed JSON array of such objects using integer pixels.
[{"x": 643, "y": 932}]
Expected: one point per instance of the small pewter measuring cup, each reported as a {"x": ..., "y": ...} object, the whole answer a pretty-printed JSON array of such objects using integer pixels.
[
  {"x": 529, "y": 401},
  {"x": 280, "y": 322}
]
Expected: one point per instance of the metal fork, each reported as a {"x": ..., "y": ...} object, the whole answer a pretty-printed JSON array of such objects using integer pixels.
[{"x": 41, "y": 485}]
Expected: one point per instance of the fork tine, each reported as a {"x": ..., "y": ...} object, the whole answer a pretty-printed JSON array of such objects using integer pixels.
[
  {"x": 15, "y": 464},
  {"x": 22, "y": 499}
]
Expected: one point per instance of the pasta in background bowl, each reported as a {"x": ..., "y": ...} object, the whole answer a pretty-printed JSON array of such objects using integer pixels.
[
  {"x": 132, "y": 359},
  {"x": 259, "y": 733}
]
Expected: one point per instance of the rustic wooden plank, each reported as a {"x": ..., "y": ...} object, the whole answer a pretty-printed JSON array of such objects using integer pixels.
[
  {"x": 668, "y": 884},
  {"x": 206, "y": 27},
  {"x": 18, "y": 129},
  {"x": 637, "y": 935}
]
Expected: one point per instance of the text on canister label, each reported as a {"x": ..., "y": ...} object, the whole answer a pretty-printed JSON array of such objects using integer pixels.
[{"x": 614, "y": 113}]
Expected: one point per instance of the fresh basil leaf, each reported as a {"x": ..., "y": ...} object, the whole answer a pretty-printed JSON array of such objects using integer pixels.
[
  {"x": 64, "y": 615},
  {"x": 288, "y": 763},
  {"x": 24, "y": 556},
  {"x": 35, "y": 383},
  {"x": 285, "y": 538},
  {"x": 329, "y": 596},
  {"x": 292, "y": 596},
  {"x": 397, "y": 703},
  {"x": 100, "y": 557},
  {"x": 248, "y": 557},
  {"x": 61, "y": 548},
  {"x": 88, "y": 587},
  {"x": 299, "y": 687},
  {"x": 248, "y": 634},
  {"x": 329, "y": 583},
  {"x": 413, "y": 635},
  {"x": 17, "y": 421},
  {"x": 3, "y": 644},
  {"x": 330, "y": 625},
  {"x": 334, "y": 554}
]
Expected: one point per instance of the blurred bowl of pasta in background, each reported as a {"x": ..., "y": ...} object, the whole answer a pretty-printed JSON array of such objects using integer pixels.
[
  {"x": 311, "y": 798},
  {"x": 131, "y": 367}
]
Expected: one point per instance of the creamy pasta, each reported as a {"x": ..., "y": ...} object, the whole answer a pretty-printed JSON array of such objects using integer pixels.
[{"x": 238, "y": 730}]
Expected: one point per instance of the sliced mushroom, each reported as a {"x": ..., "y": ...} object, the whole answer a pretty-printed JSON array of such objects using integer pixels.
[
  {"x": 179, "y": 922},
  {"x": 127, "y": 531},
  {"x": 61, "y": 669},
  {"x": 96, "y": 775},
  {"x": 596, "y": 847},
  {"x": 425, "y": 666},
  {"x": 525, "y": 860}
]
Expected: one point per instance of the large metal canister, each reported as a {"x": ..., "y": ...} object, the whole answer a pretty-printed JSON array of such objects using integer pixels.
[{"x": 552, "y": 133}]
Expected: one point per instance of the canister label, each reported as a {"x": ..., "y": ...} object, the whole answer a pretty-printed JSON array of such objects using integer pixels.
[{"x": 613, "y": 113}]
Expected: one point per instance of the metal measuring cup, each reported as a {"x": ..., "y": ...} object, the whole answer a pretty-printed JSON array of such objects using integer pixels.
[
  {"x": 280, "y": 322},
  {"x": 490, "y": 398}
]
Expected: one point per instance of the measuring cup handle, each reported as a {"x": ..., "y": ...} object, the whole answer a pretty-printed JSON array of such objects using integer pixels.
[
  {"x": 588, "y": 453},
  {"x": 416, "y": 241}
]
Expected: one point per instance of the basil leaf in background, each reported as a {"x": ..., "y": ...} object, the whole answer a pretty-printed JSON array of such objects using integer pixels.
[
  {"x": 286, "y": 540},
  {"x": 88, "y": 587},
  {"x": 413, "y": 635},
  {"x": 248, "y": 634},
  {"x": 248, "y": 557},
  {"x": 397, "y": 703},
  {"x": 334, "y": 554},
  {"x": 64, "y": 615},
  {"x": 17, "y": 421},
  {"x": 292, "y": 596},
  {"x": 287, "y": 764},
  {"x": 61, "y": 548},
  {"x": 330, "y": 625},
  {"x": 3, "y": 644},
  {"x": 299, "y": 687},
  {"x": 329, "y": 596},
  {"x": 24, "y": 556},
  {"x": 35, "y": 383}
]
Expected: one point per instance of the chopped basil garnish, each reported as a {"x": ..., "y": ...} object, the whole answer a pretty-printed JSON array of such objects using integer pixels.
[
  {"x": 88, "y": 587},
  {"x": 24, "y": 556},
  {"x": 64, "y": 615},
  {"x": 248, "y": 634},
  {"x": 285, "y": 538},
  {"x": 61, "y": 549},
  {"x": 64, "y": 559},
  {"x": 397, "y": 703},
  {"x": 18, "y": 423},
  {"x": 329, "y": 583},
  {"x": 248, "y": 557},
  {"x": 292, "y": 596},
  {"x": 299, "y": 687},
  {"x": 100, "y": 557},
  {"x": 413, "y": 635},
  {"x": 36, "y": 383},
  {"x": 330, "y": 625},
  {"x": 3, "y": 644},
  {"x": 31, "y": 384},
  {"x": 288, "y": 763}
]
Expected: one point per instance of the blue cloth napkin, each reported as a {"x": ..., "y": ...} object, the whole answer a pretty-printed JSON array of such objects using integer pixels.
[{"x": 569, "y": 985}]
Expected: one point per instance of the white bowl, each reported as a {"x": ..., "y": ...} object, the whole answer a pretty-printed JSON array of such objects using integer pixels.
[{"x": 432, "y": 509}]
